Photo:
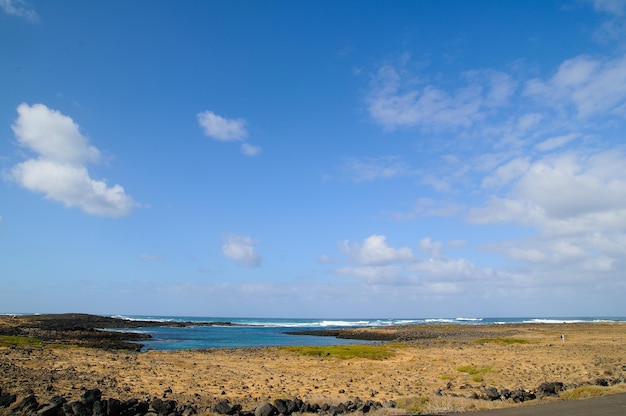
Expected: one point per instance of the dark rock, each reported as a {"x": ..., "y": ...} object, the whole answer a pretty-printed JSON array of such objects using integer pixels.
[
  {"x": 602, "y": 382},
  {"x": 492, "y": 394},
  {"x": 89, "y": 397},
  {"x": 505, "y": 393},
  {"x": 223, "y": 407},
  {"x": 519, "y": 396},
  {"x": 163, "y": 407},
  {"x": 100, "y": 408},
  {"x": 7, "y": 399},
  {"x": 142, "y": 407},
  {"x": 188, "y": 411},
  {"x": 546, "y": 388},
  {"x": 292, "y": 406},
  {"x": 53, "y": 408},
  {"x": 79, "y": 409},
  {"x": 114, "y": 407},
  {"x": 265, "y": 409},
  {"x": 281, "y": 406},
  {"x": 28, "y": 404},
  {"x": 67, "y": 409}
]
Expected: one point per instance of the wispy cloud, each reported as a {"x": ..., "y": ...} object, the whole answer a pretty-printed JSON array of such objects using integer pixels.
[
  {"x": 150, "y": 257},
  {"x": 59, "y": 170},
  {"x": 371, "y": 168},
  {"x": 591, "y": 86},
  {"x": 396, "y": 100},
  {"x": 19, "y": 8}
]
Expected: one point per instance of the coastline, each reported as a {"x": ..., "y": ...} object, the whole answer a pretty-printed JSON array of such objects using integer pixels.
[
  {"x": 454, "y": 367},
  {"x": 86, "y": 330}
]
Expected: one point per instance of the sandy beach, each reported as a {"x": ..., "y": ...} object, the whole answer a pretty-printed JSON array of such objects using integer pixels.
[{"x": 429, "y": 369}]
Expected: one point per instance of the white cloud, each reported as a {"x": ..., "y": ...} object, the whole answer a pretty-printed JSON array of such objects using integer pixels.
[
  {"x": 591, "y": 86},
  {"x": 526, "y": 255},
  {"x": 18, "y": 8},
  {"x": 616, "y": 7},
  {"x": 372, "y": 274},
  {"x": 250, "y": 150},
  {"x": 438, "y": 184},
  {"x": 429, "y": 207},
  {"x": 241, "y": 249},
  {"x": 567, "y": 193},
  {"x": 371, "y": 168},
  {"x": 375, "y": 251},
  {"x": 395, "y": 100},
  {"x": 575, "y": 184},
  {"x": 220, "y": 128},
  {"x": 59, "y": 171},
  {"x": 227, "y": 130},
  {"x": 506, "y": 173},
  {"x": 432, "y": 248},
  {"x": 555, "y": 142},
  {"x": 54, "y": 136},
  {"x": 443, "y": 269},
  {"x": 326, "y": 259}
]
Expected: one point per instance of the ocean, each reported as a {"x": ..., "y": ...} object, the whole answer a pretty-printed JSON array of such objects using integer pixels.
[{"x": 265, "y": 332}]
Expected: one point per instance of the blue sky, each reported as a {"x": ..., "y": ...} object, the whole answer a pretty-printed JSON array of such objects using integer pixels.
[{"x": 313, "y": 158}]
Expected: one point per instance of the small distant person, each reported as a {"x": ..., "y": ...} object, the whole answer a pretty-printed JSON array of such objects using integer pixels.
[{"x": 563, "y": 338}]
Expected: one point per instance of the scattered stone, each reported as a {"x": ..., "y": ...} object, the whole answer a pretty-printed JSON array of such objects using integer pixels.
[
  {"x": 547, "y": 388},
  {"x": 265, "y": 409},
  {"x": 492, "y": 394}
]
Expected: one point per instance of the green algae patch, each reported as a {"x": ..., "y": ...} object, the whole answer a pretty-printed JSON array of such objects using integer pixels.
[
  {"x": 344, "y": 352},
  {"x": 502, "y": 341},
  {"x": 473, "y": 370},
  {"x": 19, "y": 341}
]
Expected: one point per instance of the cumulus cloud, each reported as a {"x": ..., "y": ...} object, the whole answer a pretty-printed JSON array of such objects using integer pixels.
[
  {"x": 377, "y": 265},
  {"x": 220, "y": 128},
  {"x": 568, "y": 193},
  {"x": 19, "y": 8},
  {"x": 375, "y": 251},
  {"x": 227, "y": 130},
  {"x": 60, "y": 169},
  {"x": 241, "y": 249}
]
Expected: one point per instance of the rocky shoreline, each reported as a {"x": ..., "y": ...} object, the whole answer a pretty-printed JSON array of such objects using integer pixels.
[{"x": 86, "y": 330}]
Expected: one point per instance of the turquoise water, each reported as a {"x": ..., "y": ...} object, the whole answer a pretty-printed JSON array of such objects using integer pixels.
[{"x": 263, "y": 332}]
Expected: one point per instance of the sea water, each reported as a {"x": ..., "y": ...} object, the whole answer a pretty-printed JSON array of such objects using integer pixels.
[{"x": 265, "y": 332}]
